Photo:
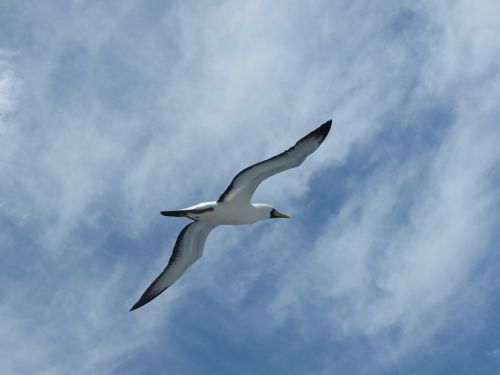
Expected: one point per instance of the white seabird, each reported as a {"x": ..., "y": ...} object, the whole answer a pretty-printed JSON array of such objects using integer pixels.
[{"x": 232, "y": 208}]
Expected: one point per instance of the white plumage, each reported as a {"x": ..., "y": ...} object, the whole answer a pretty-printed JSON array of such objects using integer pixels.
[{"x": 232, "y": 208}]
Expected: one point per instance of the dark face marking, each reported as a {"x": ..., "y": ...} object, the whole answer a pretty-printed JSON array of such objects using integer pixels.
[{"x": 271, "y": 213}]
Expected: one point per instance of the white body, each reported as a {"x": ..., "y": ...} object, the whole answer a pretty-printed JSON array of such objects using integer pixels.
[{"x": 231, "y": 213}]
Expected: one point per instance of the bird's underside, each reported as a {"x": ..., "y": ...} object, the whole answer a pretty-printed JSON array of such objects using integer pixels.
[{"x": 232, "y": 208}]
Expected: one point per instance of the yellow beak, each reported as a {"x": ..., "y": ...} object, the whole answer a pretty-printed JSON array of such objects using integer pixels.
[{"x": 276, "y": 214}]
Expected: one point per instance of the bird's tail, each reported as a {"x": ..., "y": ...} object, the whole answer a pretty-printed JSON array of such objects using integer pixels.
[{"x": 178, "y": 213}]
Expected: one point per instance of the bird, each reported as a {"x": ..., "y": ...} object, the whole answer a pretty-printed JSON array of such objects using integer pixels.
[{"x": 234, "y": 207}]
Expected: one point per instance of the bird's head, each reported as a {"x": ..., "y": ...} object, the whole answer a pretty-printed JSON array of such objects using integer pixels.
[{"x": 266, "y": 211}]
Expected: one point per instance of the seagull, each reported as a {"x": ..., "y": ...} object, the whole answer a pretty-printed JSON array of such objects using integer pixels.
[{"x": 233, "y": 207}]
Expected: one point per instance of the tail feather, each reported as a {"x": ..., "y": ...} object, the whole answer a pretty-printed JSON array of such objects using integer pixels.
[
  {"x": 178, "y": 213},
  {"x": 186, "y": 212}
]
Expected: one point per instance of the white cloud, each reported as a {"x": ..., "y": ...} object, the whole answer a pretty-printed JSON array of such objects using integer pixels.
[{"x": 6, "y": 91}]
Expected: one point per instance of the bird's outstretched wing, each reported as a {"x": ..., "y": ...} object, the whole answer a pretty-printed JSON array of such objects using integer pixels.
[
  {"x": 246, "y": 182},
  {"x": 187, "y": 250}
]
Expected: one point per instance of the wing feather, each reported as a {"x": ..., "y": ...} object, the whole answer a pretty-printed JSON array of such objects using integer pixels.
[
  {"x": 246, "y": 182},
  {"x": 187, "y": 250}
]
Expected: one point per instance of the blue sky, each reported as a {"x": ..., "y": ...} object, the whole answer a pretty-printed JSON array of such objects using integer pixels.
[{"x": 113, "y": 111}]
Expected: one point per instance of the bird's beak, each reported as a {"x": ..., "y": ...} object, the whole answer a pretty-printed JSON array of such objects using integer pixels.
[{"x": 276, "y": 214}]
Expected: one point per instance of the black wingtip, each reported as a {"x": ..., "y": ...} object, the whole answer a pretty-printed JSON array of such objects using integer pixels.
[
  {"x": 137, "y": 305},
  {"x": 323, "y": 130},
  {"x": 326, "y": 126}
]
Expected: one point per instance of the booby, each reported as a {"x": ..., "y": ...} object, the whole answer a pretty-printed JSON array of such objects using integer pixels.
[{"x": 233, "y": 207}]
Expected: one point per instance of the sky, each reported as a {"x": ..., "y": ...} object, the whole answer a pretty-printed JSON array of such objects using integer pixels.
[{"x": 111, "y": 112}]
